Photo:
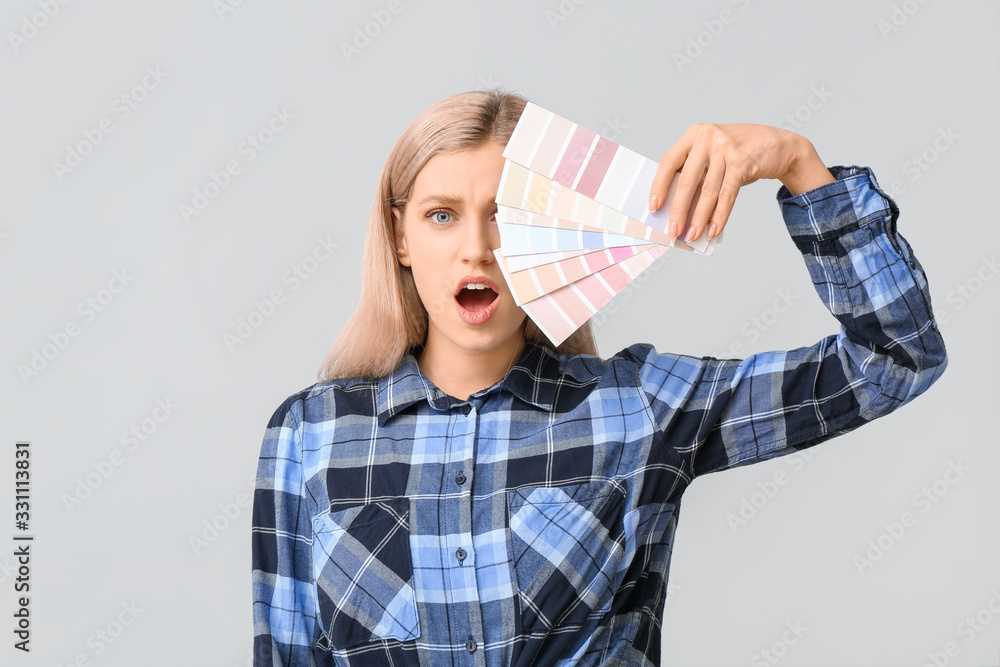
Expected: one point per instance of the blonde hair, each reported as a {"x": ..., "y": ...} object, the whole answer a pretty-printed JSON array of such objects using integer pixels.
[{"x": 390, "y": 317}]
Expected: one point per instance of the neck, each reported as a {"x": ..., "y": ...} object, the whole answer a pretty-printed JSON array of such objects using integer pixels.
[{"x": 460, "y": 372}]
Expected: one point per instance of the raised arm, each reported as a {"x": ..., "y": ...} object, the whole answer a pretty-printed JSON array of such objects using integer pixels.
[{"x": 722, "y": 413}]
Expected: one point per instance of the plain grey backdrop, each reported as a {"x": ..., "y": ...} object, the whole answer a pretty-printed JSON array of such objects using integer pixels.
[{"x": 125, "y": 363}]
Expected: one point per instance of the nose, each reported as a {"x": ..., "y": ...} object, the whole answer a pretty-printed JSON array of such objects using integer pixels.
[{"x": 482, "y": 236}]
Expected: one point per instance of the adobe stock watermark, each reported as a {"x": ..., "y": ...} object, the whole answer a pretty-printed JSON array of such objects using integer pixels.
[
  {"x": 778, "y": 649},
  {"x": 246, "y": 152},
  {"x": 923, "y": 501},
  {"x": 920, "y": 163},
  {"x": 703, "y": 40},
  {"x": 967, "y": 630},
  {"x": 798, "y": 117},
  {"x": 899, "y": 16},
  {"x": 8, "y": 568},
  {"x": 750, "y": 506},
  {"x": 370, "y": 29},
  {"x": 33, "y": 24},
  {"x": 263, "y": 309},
  {"x": 228, "y": 512},
  {"x": 121, "y": 108},
  {"x": 488, "y": 82},
  {"x": 99, "y": 641},
  {"x": 87, "y": 310},
  {"x": 601, "y": 317},
  {"x": 759, "y": 324},
  {"x": 966, "y": 290},
  {"x": 131, "y": 440},
  {"x": 562, "y": 12},
  {"x": 672, "y": 591},
  {"x": 224, "y": 8}
]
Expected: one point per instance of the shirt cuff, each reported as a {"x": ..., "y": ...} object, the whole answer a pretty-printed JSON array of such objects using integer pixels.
[{"x": 851, "y": 202}]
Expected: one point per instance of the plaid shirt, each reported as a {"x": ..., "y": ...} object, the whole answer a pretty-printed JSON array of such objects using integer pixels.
[{"x": 533, "y": 522}]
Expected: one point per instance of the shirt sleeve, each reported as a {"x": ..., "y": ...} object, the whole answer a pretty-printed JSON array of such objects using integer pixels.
[
  {"x": 284, "y": 594},
  {"x": 723, "y": 413}
]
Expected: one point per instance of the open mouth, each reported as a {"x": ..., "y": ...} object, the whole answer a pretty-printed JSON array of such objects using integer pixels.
[{"x": 476, "y": 299}]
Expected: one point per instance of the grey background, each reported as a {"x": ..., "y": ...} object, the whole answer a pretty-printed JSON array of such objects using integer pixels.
[{"x": 607, "y": 65}]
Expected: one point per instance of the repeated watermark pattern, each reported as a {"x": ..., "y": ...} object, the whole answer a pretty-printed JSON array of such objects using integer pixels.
[
  {"x": 88, "y": 310},
  {"x": 919, "y": 163},
  {"x": 899, "y": 16},
  {"x": 895, "y": 530},
  {"x": 967, "y": 630},
  {"x": 34, "y": 23},
  {"x": 777, "y": 650},
  {"x": 704, "y": 39},
  {"x": 103, "y": 638},
  {"x": 121, "y": 108},
  {"x": 796, "y": 119},
  {"x": 751, "y": 505},
  {"x": 370, "y": 30},
  {"x": 556, "y": 16},
  {"x": 224, "y": 8},
  {"x": 264, "y": 308},
  {"x": 220, "y": 521},
  {"x": 131, "y": 440},
  {"x": 246, "y": 152}
]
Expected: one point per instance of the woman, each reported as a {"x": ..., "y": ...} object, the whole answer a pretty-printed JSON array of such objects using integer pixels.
[{"x": 454, "y": 491}]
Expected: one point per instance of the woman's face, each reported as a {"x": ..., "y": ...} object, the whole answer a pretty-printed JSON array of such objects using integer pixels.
[{"x": 447, "y": 238}]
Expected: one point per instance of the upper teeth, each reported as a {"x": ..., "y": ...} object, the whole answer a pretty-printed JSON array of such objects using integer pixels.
[{"x": 475, "y": 286}]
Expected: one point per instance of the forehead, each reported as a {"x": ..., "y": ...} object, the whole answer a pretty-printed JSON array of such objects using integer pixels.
[{"x": 473, "y": 173}]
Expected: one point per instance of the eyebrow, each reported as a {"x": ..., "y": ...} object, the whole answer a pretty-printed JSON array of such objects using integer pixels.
[{"x": 447, "y": 200}]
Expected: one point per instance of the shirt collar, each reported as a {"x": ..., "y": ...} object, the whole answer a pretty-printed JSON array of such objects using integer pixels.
[{"x": 532, "y": 378}]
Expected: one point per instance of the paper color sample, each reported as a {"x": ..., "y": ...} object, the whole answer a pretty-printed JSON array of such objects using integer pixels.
[
  {"x": 574, "y": 223},
  {"x": 521, "y": 262},
  {"x": 591, "y": 166},
  {"x": 561, "y": 312},
  {"x": 534, "y": 282},
  {"x": 527, "y": 239}
]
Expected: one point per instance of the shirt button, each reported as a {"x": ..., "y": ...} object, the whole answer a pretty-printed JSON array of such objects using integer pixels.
[
  {"x": 460, "y": 479},
  {"x": 465, "y": 409},
  {"x": 460, "y": 554},
  {"x": 470, "y": 646}
]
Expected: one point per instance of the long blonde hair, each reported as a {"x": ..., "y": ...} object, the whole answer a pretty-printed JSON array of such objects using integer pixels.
[{"x": 390, "y": 318}]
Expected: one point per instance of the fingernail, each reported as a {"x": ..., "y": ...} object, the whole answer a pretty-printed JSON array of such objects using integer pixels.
[
  {"x": 712, "y": 231},
  {"x": 690, "y": 235},
  {"x": 673, "y": 230},
  {"x": 652, "y": 202}
]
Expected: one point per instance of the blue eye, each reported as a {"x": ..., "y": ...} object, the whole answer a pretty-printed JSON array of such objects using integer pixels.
[{"x": 433, "y": 215}]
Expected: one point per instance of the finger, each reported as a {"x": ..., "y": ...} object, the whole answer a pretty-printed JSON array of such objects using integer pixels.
[
  {"x": 670, "y": 164},
  {"x": 727, "y": 198},
  {"x": 709, "y": 195},
  {"x": 688, "y": 182}
]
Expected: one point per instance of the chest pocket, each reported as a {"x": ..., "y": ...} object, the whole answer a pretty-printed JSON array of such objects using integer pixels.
[
  {"x": 566, "y": 545},
  {"x": 364, "y": 574}
]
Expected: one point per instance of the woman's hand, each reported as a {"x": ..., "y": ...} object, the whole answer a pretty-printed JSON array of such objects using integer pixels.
[{"x": 715, "y": 161}]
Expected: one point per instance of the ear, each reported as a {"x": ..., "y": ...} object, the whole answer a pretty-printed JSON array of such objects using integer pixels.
[{"x": 401, "y": 251}]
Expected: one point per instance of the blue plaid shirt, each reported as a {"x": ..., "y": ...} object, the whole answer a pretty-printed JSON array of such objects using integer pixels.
[{"x": 533, "y": 522}]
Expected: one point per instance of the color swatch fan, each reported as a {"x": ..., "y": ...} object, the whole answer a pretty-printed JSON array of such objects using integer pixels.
[{"x": 575, "y": 225}]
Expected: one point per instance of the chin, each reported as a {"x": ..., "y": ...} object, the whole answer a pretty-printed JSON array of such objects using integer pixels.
[{"x": 482, "y": 338}]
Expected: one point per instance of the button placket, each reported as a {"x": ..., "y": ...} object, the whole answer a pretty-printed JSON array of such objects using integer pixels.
[{"x": 460, "y": 557}]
